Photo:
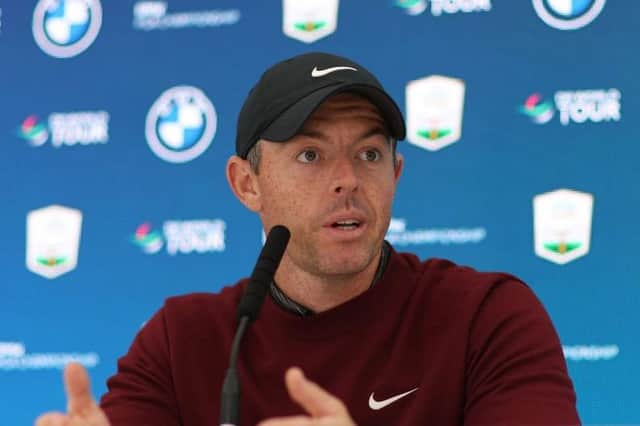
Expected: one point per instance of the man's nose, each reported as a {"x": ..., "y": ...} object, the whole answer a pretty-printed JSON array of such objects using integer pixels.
[{"x": 345, "y": 177}]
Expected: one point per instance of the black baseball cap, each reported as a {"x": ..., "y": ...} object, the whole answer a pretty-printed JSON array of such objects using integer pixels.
[{"x": 290, "y": 91}]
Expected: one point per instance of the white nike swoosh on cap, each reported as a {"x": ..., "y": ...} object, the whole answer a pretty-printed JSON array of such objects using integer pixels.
[
  {"x": 377, "y": 405},
  {"x": 315, "y": 72}
]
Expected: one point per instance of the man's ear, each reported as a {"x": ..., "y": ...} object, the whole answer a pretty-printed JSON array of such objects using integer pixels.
[
  {"x": 397, "y": 168},
  {"x": 243, "y": 182}
]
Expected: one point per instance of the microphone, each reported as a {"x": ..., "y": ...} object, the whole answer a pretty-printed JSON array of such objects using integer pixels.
[{"x": 248, "y": 311}]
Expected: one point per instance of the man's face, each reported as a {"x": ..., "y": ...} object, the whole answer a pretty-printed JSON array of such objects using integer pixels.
[{"x": 332, "y": 185}]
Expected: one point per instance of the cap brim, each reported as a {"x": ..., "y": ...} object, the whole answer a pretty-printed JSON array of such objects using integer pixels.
[{"x": 290, "y": 122}]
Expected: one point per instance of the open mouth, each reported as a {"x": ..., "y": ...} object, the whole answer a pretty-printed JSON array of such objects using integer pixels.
[{"x": 346, "y": 225}]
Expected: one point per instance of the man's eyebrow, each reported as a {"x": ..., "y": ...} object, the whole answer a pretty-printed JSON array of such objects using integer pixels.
[
  {"x": 374, "y": 131},
  {"x": 315, "y": 134}
]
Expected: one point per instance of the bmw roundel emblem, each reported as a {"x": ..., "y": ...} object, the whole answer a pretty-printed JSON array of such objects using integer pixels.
[
  {"x": 181, "y": 124},
  {"x": 568, "y": 14},
  {"x": 66, "y": 28}
]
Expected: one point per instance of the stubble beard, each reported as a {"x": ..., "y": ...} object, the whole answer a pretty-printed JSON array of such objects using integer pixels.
[{"x": 330, "y": 265}]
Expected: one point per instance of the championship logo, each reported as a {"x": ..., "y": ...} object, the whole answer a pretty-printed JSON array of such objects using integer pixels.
[
  {"x": 568, "y": 14},
  {"x": 53, "y": 240},
  {"x": 399, "y": 234},
  {"x": 66, "y": 28},
  {"x": 181, "y": 124},
  {"x": 562, "y": 225},
  {"x": 309, "y": 20},
  {"x": 434, "y": 111}
]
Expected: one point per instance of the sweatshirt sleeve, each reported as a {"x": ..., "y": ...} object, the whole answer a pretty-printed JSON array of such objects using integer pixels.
[
  {"x": 516, "y": 371},
  {"x": 141, "y": 392}
]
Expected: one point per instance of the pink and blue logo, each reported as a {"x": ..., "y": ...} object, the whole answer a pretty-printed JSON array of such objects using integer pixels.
[
  {"x": 147, "y": 239},
  {"x": 540, "y": 111},
  {"x": 411, "y": 7},
  {"x": 33, "y": 131}
]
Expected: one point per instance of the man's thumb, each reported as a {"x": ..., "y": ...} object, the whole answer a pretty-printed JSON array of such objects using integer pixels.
[
  {"x": 78, "y": 389},
  {"x": 314, "y": 399}
]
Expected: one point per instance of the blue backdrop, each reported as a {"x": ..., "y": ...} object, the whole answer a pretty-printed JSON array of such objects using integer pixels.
[{"x": 123, "y": 114}]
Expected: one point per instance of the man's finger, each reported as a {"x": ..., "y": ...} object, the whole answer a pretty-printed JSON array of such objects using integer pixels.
[
  {"x": 315, "y": 400},
  {"x": 288, "y": 421},
  {"x": 52, "y": 419},
  {"x": 78, "y": 388}
]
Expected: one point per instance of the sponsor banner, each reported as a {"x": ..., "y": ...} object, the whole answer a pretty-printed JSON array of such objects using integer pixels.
[
  {"x": 182, "y": 237},
  {"x": 155, "y": 15},
  {"x": 181, "y": 124},
  {"x": 309, "y": 20},
  {"x": 434, "y": 111},
  {"x": 66, "y": 129},
  {"x": 399, "y": 235},
  {"x": 568, "y": 14},
  {"x": 562, "y": 225},
  {"x": 14, "y": 357},
  {"x": 442, "y": 7},
  {"x": 590, "y": 352},
  {"x": 53, "y": 240},
  {"x": 66, "y": 28}
]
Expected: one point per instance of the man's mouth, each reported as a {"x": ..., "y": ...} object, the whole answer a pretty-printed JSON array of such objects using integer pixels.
[{"x": 346, "y": 224}]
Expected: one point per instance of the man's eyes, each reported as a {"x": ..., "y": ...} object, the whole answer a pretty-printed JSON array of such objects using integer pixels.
[
  {"x": 307, "y": 156},
  {"x": 310, "y": 155},
  {"x": 370, "y": 155}
]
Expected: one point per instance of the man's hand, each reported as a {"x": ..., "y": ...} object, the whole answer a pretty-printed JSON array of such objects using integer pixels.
[
  {"x": 82, "y": 409},
  {"x": 324, "y": 409}
]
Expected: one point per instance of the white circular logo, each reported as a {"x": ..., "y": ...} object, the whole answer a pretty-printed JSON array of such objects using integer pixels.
[
  {"x": 181, "y": 124},
  {"x": 568, "y": 14},
  {"x": 66, "y": 28}
]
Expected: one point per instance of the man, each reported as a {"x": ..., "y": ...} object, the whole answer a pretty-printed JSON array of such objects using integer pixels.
[{"x": 384, "y": 338}]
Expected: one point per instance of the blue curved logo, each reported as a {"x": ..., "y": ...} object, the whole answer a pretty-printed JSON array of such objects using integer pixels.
[
  {"x": 66, "y": 28},
  {"x": 568, "y": 14},
  {"x": 181, "y": 124}
]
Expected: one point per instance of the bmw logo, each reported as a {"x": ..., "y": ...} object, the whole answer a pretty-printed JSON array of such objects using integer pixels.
[
  {"x": 66, "y": 28},
  {"x": 181, "y": 124},
  {"x": 568, "y": 14}
]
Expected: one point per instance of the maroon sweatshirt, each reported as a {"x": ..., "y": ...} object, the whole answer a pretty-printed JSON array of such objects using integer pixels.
[{"x": 479, "y": 348}]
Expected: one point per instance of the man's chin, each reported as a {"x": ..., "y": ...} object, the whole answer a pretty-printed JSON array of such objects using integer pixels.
[{"x": 348, "y": 265}]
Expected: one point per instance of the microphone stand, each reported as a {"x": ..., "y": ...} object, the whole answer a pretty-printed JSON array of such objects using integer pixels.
[{"x": 248, "y": 310}]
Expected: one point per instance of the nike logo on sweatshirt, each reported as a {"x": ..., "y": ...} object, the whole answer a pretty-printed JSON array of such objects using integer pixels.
[{"x": 377, "y": 405}]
